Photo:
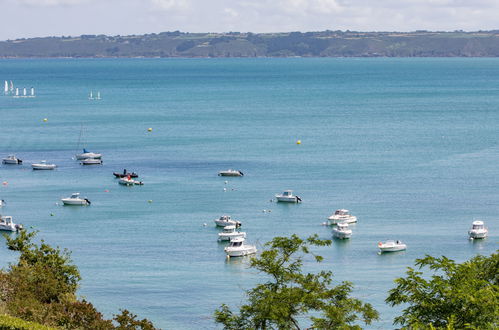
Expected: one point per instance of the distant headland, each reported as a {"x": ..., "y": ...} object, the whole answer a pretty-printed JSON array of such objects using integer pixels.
[{"x": 236, "y": 44}]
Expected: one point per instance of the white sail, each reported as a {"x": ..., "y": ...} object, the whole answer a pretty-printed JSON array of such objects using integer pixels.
[
  {"x": 91, "y": 97},
  {"x": 17, "y": 91},
  {"x": 98, "y": 95},
  {"x": 6, "y": 89},
  {"x": 11, "y": 86},
  {"x": 32, "y": 92},
  {"x": 24, "y": 91}
]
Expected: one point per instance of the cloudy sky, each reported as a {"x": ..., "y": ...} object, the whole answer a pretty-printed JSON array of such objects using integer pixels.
[{"x": 32, "y": 18}]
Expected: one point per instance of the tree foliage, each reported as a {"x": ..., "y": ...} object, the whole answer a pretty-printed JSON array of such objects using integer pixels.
[
  {"x": 42, "y": 287},
  {"x": 291, "y": 295},
  {"x": 454, "y": 296}
]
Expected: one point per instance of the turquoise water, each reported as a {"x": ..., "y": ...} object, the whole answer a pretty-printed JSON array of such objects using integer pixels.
[{"x": 410, "y": 146}]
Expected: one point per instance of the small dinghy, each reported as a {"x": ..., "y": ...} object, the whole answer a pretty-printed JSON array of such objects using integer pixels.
[
  {"x": 391, "y": 246},
  {"x": 87, "y": 154},
  {"x": 125, "y": 173},
  {"x": 288, "y": 197},
  {"x": 128, "y": 181},
  {"x": 225, "y": 221},
  {"x": 342, "y": 215},
  {"x": 230, "y": 172},
  {"x": 75, "y": 199},
  {"x": 11, "y": 159},
  {"x": 238, "y": 248},
  {"x": 91, "y": 161},
  {"x": 342, "y": 231},
  {"x": 42, "y": 165},
  {"x": 6, "y": 224},
  {"x": 478, "y": 230},
  {"x": 230, "y": 233}
]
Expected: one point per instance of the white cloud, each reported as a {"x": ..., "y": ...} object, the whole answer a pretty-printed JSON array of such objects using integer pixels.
[
  {"x": 51, "y": 3},
  {"x": 170, "y": 4}
]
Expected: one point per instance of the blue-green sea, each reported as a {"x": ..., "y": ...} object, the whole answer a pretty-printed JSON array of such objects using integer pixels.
[{"x": 409, "y": 146}]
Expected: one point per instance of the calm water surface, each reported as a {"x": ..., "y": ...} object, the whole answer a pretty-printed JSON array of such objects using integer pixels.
[{"x": 410, "y": 146}]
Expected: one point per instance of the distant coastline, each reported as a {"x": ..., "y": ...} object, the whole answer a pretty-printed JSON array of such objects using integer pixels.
[{"x": 236, "y": 44}]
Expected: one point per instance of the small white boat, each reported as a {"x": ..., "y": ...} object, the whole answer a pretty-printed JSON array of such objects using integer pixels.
[
  {"x": 87, "y": 154},
  {"x": 225, "y": 221},
  {"x": 12, "y": 159},
  {"x": 7, "y": 224},
  {"x": 91, "y": 161},
  {"x": 230, "y": 172},
  {"x": 42, "y": 165},
  {"x": 391, "y": 246},
  {"x": 128, "y": 181},
  {"x": 238, "y": 248},
  {"x": 342, "y": 231},
  {"x": 230, "y": 233},
  {"x": 287, "y": 196},
  {"x": 342, "y": 215},
  {"x": 75, "y": 199},
  {"x": 478, "y": 230},
  {"x": 2, "y": 202}
]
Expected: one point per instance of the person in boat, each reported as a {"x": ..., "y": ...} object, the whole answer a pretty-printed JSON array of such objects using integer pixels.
[{"x": 124, "y": 171}]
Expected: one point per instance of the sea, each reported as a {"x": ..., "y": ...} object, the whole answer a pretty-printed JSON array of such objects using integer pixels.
[{"x": 408, "y": 145}]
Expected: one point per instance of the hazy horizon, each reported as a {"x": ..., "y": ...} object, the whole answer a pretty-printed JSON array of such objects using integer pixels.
[{"x": 44, "y": 18}]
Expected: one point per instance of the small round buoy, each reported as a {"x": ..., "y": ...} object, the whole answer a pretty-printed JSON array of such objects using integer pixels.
[
  {"x": 324, "y": 223},
  {"x": 298, "y": 142},
  {"x": 269, "y": 211},
  {"x": 45, "y": 120},
  {"x": 106, "y": 190},
  {"x": 149, "y": 129},
  {"x": 205, "y": 224},
  {"x": 225, "y": 189},
  {"x": 149, "y": 201},
  {"x": 51, "y": 214},
  {"x": 226, "y": 182},
  {"x": 5, "y": 183}
]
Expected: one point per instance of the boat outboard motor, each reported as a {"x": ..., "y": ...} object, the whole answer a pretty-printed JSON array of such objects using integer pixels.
[
  {"x": 242, "y": 174},
  {"x": 19, "y": 227},
  {"x": 298, "y": 199},
  {"x": 86, "y": 199}
]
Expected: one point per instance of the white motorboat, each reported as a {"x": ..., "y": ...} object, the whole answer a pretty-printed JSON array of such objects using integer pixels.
[
  {"x": 12, "y": 159},
  {"x": 288, "y": 197},
  {"x": 342, "y": 215},
  {"x": 342, "y": 231},
  {"x": 391, "y": 246},
  {"x": 225, "y": 221},
  {"x": 128, "y": 181},
  {"x": 75, "y": 199},
  {"x": 478, "y": 230},
  {"x": 88, "y": 155},
  {"x": 91, "y": 161},
  {"x": 42, "y": 165},
  {"x": 230, "y": 172},
  {"x": 7, "y": 224},
  {"x": 238, "y": 248},
  {"x": 229, "y": 233}
]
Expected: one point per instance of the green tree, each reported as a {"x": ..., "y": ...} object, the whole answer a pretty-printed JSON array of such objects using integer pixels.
[
  {"x": 454, "y": 296},
  {"x": 290, "y": 294}
]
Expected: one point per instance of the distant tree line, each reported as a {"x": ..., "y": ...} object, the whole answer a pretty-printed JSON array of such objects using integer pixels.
[{"x": 235, "y": 44}]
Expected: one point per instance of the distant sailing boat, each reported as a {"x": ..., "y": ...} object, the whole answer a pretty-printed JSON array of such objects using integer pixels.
[
  {"x": 11, "y": 87},
  {"x": 91, "y": 96},
  {"x": 17, "y": 92},
  {"x": 98, "y": 96},
  {"x": 24, "y": 92},
  {"x": 6, "y": 88},
  {"x": 32, "y": 92}
]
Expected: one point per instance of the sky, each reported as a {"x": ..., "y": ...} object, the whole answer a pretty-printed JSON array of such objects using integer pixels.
[{"x": 39, "y": 18}]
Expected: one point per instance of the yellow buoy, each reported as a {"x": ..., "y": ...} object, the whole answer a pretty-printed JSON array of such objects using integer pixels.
[
  {"x": 149, "y": 129},
  {"x": 298, "y": 142},
  {"x": 45, "y": 120}
]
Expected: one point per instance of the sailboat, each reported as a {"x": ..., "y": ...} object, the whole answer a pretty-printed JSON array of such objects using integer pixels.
[
  {"x": 17, "y": 92},
  {"x": 98, "y": 96},
  {"x": 6, "y": 88},
  {"x": 24, "y": 92},
  {"x": 91, "y": 96},
  {"x": 11, "y": 87},
  {"x": 85, "y": 154},
  {"x": 32, "y": 92}
]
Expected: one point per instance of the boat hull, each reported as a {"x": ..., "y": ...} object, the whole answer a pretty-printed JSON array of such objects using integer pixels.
[
  {"x": 70, "y": 201},
  {"x": 337, "y": 219},
  {"x": 221, "y": 223},
  {"x": 283, "y": 199},
  {"x": 342, "y": 234},
  {"x": 223, "y": 173},
  {"x": 88, "y": 155},
  {"x": 392, "y": 248},
  {"x": 12, "y": 161},
  {"x": 477, "y": 234},
  {"x": 240, "y": 252},
  {"x": 121, "y": 175},
  {"x": 40, "y": 167},
  {"x": 229, "y": 236},
  {"x": 91, "y": 161}
]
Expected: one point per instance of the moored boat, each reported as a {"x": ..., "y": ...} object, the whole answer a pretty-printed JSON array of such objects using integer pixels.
[
  {"x": 230, "y": 233},
  {"x": 87, "y": 154},
  {"x": 391, "y": 246},
  {"x": 128, "y": 181},
  {"x": 342, "y": 215},
  {"x": 288, "y": 197},
  {"x": 91, "y": 161},
  {"x": 7, "y": 224},
  {"x": 125, "y": 173},
  {"x": 75, "y": 199},
  {"x": 225, "y": 220},
  {"x": 230, "y": 172},
  {"x": 42, "y": 165},
  {"x": 11, "y": 159},
  {"x": 478, "y": 230},
  {"x": 238, "y": 248},
  {"x": 342, "y": 231}
]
